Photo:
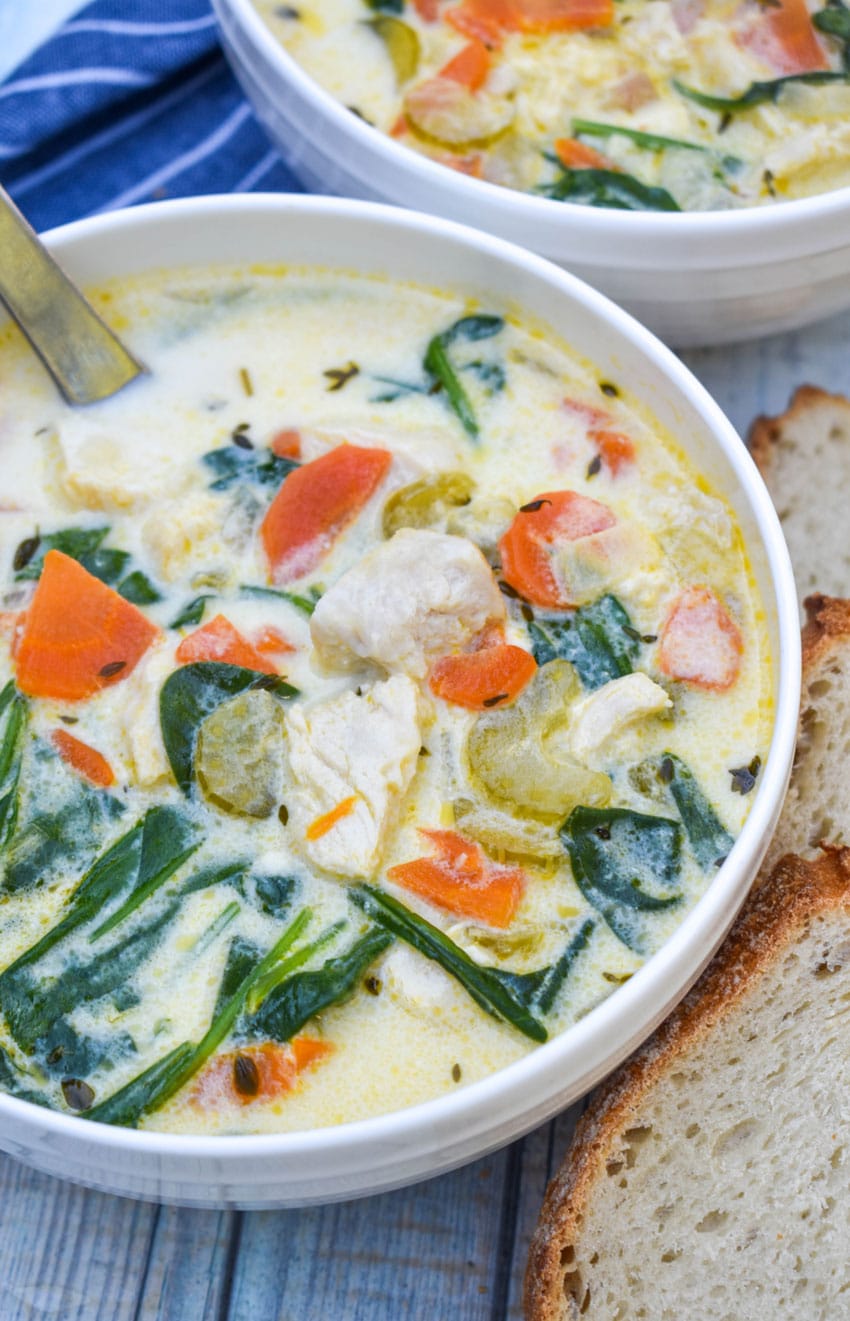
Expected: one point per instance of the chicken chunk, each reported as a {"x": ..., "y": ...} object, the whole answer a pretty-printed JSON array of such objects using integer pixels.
[
  {"x": 351, "y": 758},
  {"x": 96, "y": 471},
  {"x": 140, "y": 715},
  {"x": 418, "y": 596},
  {"x": 611, "y": 709},
  {"x": 417, "y": 984}
]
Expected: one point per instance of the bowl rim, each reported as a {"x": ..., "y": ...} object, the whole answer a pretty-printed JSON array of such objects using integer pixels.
[
  {"x": 723, "y": 897},
  {"x": 751, "y": 225}
]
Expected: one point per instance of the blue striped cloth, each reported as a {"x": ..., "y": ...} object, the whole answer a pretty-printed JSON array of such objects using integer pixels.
[{"x": 130, "y": 101}]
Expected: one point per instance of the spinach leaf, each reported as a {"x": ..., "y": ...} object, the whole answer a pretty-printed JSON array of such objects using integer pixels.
[
  {"x": 190, "y": 694},
  {"x": 397, "y": 389},
  {"x": 76, "y": 542},
  {"x": 306, "y": 604},
  {"x": 598, "y": 639},
  {"x": 486, "y": 986},
  {"x": 290, "y": 1005},
  {"x": 157, "y": 1084},
  {"x": 442, "y": 371},
  {"x": 589, "y": 128},
  {"x": 540, "y": 989},
  {"x": 127, "y": 1105},
  {"x": 14, "y": 1081},
  {"x": 834, "y": 21},
  {"x": 709, "y": 839},
  {"x": 192, "y": 612},
  {"x": 386, "y": 6},
  {"x": 242, "y": 958},
  {"x": 608, "y": 188},
  {"x": 234, "y": 464},
  {"x": 85, "y": 546},
  {"x": 45, "y": 841},
  {"x": 274, "y": 893},
  {"x": 14, "y": 713},
  {"x": 168, "y": 840},
  {"x": 618, "y": 856},
  {"x": 758, "y": 93}
]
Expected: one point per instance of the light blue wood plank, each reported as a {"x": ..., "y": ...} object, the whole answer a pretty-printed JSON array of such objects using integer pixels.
[
  {"x": 427, "y": 1252},
  {"x": 67, "y": 1254},
  {"x": 187, "y": 1270}
]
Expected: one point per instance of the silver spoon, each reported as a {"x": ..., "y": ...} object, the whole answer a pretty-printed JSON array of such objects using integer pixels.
[{"x": 86, "y": 360}]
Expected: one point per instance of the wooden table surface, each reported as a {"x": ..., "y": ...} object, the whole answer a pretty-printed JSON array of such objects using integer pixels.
[{"x": 452, "y": 1248}]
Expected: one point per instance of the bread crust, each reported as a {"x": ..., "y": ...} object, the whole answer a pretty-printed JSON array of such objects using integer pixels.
[
  {"x": 772, "y": 918},
  {"x": 827, "y": 623},
  {"x": 766, "y": 432}
]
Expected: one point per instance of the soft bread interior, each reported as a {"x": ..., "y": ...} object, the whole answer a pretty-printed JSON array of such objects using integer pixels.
[{"x": 726, "y": 1198}]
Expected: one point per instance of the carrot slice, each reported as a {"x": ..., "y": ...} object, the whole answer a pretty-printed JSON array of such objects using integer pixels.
[
  {"x": 328, "y": 820},
  {"x": 220, "y": 641},
  {"x": 616, "y": 451},
  {"x": 463, "y": 880},
  {"x": 783, "y": 36},
  {"x": 470, "y": 66},
  {"x": 493, "y": 676},
  {"x": 286, "y": 444},
  {"x": 80, "y": 636},
  {"x": 427, "y": 9},
  {"x": 490, "y": 20},
  {"x": 271, "y": 642},
  {"x": 316, "y": 503},
  {"x": 549, "y": 518},
  {"x": 577, "y": 155},
  {"x": 86, "y": 761},
  {"x": 700, "y": 644},
  {"x": 256, "y": 1073}
]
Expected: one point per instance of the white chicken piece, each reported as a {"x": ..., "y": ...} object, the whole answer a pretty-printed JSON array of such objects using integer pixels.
[
  {"x": 139, "y": 699},
  {"x": 416, "y": 983},
  {"x": 97, "y": 471},
  {"x": 610, "y": 710},
  {"x": 358, "y": 753},
  {"x": 181, "y": 533},
  {"x": 415, "y": 597}
]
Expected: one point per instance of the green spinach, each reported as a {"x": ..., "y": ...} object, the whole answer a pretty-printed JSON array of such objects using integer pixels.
[
  {"x": 442, "y": 371},
  {"x": 709, "y": 839},
  {"x": 598, "y": 639},
  {"x": 758, "y": 93},
  {"x": 231, "y": 465},
  {"x": 608, "y": 188}
]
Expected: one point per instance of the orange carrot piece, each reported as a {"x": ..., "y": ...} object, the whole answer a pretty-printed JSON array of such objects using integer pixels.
[
  {"x": 315, "y": 504},
  {"x": 220, "y": 641},
  {"x": 577, "y": 155},
  {"x": 700, "y": 644},
  {"x": 492, "y": 676},
  {"x": 428, "y": 10},
  {"x": 400, "y": 127},
  {"x": 256, "y": 1073},
  {"x": 784, "y": 36},
  {"x": 490, "y": 20},
  {"x": 328, "y": 820},
  {"x": 271, "y": 642},
  {"x": 463, "y": 880},
  {"x": 80, "y": 636},
  {"x": 286, "y": 444},
  {"x": 86, "y": 761},
  {"x": 469, "y": 67},
  {"x": 616, "y": 451},
  {"x": 549, "y": 518}
]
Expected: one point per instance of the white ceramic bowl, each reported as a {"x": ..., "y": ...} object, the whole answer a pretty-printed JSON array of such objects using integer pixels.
[
  {"x": 376, "y": 1154},
  {"x": 698, "y": 278}
]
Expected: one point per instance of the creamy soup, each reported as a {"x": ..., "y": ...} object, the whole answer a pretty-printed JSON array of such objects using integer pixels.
[
  {"x": 373, "y": 704},
  {"x": 636, "y": 104}
]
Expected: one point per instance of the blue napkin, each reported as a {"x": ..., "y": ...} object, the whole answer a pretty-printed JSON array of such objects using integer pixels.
[{"x": 130, "y": 101}]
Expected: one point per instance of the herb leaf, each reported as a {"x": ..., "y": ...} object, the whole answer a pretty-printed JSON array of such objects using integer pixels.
[
  {"x": 590, "y": 128},
  {"x": 306, "y": 604},
  {"x": 540, "y": 989},
  {"x": 598, "y": 639},
  {"x": 608, "y": 188},
  {"x": 291, "y": 1004},
  {"x": 618, "y": 856},
  {"x": 442, "y": 371},
  {"x": 709, "y": 839},
  {"x": 187, "y": 698},
  {"x": 758, "y": 93},
  {"x": 14, "y": 716},
  {"x": 80, "y": 543},
  {"x": 231, "y": 464},
  {"x": 192, "y": 612},
  {"x": 485, "y": 985}
]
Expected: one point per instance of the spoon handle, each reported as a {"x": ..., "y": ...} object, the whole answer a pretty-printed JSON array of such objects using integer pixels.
[{"x": 86, "y": 360}]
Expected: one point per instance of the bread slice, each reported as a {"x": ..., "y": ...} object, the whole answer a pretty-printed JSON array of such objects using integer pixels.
[
  {"x": 817, "y": 808},
  {"x": 804, "y": 457},
  {"x": 708, "y": 1181}
]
